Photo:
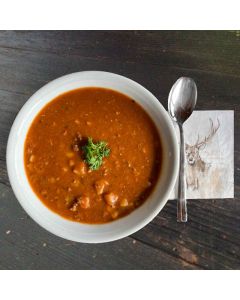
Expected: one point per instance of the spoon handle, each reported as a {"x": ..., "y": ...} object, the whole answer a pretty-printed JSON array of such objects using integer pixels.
[{"x": 182, "y": 202}]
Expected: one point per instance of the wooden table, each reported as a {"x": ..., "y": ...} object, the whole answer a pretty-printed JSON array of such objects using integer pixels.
[{"x": 28, "y": 60}]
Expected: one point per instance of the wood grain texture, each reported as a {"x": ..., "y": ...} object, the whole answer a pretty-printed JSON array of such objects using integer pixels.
[{"x": 29, "y": 59}]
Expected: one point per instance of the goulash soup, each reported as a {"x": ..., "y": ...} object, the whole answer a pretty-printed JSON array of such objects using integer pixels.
[{"x": 92, "y": 155}]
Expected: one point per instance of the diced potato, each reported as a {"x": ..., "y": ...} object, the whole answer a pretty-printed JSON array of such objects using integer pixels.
[
  {"x": 100, "y": 185},
  {"x": 80, "y": 169},
  {"x": 114, "y": 214},
  {"x": 84, "y": 201},
  {"x": 111, "y": 199},
  {"x": 124, "y": 202},
  {"x": 32, "y": 158}
]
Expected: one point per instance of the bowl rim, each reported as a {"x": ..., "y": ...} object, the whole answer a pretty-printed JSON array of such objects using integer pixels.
[{"x": 12, "y": 172}]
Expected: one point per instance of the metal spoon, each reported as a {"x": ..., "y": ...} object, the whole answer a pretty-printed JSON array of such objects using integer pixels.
[{"x": 181, "y": 103}]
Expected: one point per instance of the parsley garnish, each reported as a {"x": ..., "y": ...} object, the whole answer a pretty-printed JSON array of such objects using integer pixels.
[{"x": 94, "y": 153}]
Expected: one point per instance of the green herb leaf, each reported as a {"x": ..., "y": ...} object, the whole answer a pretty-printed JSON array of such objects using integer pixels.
[{"x": 94, "y": 153}]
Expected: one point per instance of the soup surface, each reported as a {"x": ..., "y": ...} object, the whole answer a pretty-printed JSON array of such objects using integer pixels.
[{"x": 57, "y": 166}]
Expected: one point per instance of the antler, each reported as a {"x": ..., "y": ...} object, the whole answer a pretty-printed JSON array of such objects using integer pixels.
[
  {"x": 213, "y": 130},
  {"x": 198, "y": 137}
]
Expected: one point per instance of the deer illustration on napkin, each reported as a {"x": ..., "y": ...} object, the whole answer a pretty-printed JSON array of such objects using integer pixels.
[{"x": 209, "y": 150}]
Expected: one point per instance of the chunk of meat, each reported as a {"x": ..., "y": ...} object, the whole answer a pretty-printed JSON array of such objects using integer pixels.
[
  {"x": 111, "y": 199},
  {"x": 71, "y": 203},
  {"x": 76, "y": 148},
  {"x": 100, "y": 186},
  {"x": 74, "y": 206}
]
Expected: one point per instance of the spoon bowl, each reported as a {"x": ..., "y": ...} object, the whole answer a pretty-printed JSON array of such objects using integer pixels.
[{"x": 182, "y": 99}]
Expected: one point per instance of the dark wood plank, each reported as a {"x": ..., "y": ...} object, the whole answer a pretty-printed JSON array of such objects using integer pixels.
[
  {"x": 24, "y": 247},
  {"x": 29, "y": 59}
]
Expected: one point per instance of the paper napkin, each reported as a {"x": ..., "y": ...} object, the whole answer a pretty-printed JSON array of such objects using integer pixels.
[{"x": 209, "y": 149}]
